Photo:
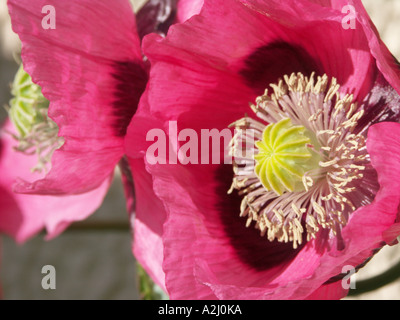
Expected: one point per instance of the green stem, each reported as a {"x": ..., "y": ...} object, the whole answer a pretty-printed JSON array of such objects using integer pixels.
[
  {"x": 147, "y": 288},
  {"x": 377, "y": 282}
]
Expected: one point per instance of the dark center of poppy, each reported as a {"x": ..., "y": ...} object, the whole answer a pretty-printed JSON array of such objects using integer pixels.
[{"x": 268, "y": 63}]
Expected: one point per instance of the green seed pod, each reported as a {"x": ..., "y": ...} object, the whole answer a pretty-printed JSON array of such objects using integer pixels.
[
  {"x": 36, "y": 132},
  {"x": 284, "y": 156},
  {"x": 28, "y": 106}
]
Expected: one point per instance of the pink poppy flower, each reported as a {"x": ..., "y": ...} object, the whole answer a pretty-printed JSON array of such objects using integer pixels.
[
  {"x": 93, "y": 80},
  {"x": 317, "y": 192},
  {"x": 87, "y": 59},
  {"x": 27, "y": 141}
]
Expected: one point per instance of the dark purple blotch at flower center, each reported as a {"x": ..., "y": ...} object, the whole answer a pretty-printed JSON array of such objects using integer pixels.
[
  {"x": 381, "y": 104},
  {"x": 131, "y": 80},
  {"x": 270, "y": 62},
  {"x": 252, "y": 249}
]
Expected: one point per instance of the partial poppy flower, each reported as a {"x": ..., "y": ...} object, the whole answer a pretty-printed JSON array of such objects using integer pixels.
[
  {"x": 88, "y": 62},
  {"x": 91, "y": 69},
  {"x": 28, "y": 140},
  {"x": 24, "y": 215},
  {"x": 308, "y": 190}
]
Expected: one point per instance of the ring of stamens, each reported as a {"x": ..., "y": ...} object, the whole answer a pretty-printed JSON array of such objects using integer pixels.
[{"x": 329, "y": 195}]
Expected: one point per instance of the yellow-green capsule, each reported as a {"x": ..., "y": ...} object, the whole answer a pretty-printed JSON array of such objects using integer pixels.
[
  {"x": 28, "y": 105},
  {"x": 284, "y": 156}
]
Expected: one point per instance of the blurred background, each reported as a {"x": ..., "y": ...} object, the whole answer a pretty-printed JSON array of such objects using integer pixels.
[{"x": 100, "y": 265}]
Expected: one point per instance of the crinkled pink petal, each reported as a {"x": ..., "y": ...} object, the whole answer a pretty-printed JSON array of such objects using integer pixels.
[
  {"x": 201, "y": 87},
  {"x": 24, "y": 215},
  {"x": 383, "y": 140},
  {"x": 90, "y": 68},
  {"x": 183, "y": 227},
  {"x": 332, "y": 291},
  {"x": 385, "y": 61},
  {"x": 188, "y": 8},
  {"x": 147, "y": 224}
]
